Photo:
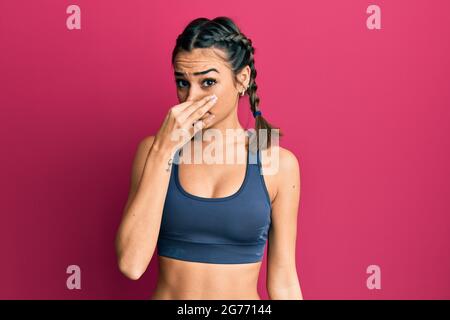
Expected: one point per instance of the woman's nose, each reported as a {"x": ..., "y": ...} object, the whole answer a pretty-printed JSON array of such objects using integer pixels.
[{"x": 195, "y": 94}]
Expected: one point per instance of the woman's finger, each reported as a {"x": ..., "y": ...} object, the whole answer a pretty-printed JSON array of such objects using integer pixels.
[
  {"x": 198, "y": 113},
  {"x": 189, "y": 110},
  {"x": 202, "y": 124}
]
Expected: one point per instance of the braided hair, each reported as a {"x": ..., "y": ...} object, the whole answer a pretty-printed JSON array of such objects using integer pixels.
[{"x": 223, "y": 33}]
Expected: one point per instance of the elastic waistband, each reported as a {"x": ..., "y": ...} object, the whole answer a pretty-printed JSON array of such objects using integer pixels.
[{"x": 210, "y": 252}]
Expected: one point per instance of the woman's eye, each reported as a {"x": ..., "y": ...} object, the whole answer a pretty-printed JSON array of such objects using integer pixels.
[
  {"x": 211, "y": 82},
  {"x": 183, "y": 83},
  {"x": 180, "y": 83}
]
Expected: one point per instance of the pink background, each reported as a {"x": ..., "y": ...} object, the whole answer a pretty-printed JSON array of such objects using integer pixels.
[{"x": 365, "y": 111}]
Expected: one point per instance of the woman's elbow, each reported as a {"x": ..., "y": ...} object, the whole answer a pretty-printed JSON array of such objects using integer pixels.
[
  {"x": 129, "y": 264},
  {"x": 289, "y": 292},
  {"x": 132, "y": 260},
  {"x": 131, "y": 271}
]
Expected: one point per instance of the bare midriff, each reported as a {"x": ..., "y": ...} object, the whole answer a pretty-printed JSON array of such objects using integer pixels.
[{"x": 185, "y": 280}]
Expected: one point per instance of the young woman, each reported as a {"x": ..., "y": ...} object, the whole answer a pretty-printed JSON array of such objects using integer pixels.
[{"x": 210, "y": 222}]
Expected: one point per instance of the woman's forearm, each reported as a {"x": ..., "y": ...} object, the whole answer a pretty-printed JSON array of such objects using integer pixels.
[{"x": 138, "y": 233}]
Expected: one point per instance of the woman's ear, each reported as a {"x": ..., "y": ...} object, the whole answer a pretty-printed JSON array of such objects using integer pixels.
[{"x": 244, "y": 78}]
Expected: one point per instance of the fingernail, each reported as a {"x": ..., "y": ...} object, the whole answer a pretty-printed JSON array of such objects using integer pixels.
[{"x": 213, "y": 98}]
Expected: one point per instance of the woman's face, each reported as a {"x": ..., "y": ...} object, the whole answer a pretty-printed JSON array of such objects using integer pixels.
[{"x": 202, "y": 72}]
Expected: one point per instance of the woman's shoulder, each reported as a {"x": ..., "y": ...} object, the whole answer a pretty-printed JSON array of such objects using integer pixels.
[
  {"x": 146, "y": 142},
  {"x": 280, "y": 157},
  {"x": 280, "y": 167},
  {"x": 142, "y": 150}
]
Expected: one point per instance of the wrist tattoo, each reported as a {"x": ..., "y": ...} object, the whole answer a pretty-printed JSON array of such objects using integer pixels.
[{"x": 169, "y": 164}]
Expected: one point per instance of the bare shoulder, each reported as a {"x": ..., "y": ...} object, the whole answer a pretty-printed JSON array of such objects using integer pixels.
[
  {"x": 138, "y": 165},
  {"x": 288, "y": 162},
  {"x": 281, "y": 158},
  {"x": 146, "y": 143},
  {"x": 141, "y": 154},
  {"x": 281, "y": 167},
  {"x": 140, "y": 158}
]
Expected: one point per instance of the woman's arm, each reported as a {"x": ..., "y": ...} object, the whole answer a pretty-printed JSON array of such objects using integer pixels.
[
  {"x": 282, "y": 278},
  {"x": 139, "y": 229}
]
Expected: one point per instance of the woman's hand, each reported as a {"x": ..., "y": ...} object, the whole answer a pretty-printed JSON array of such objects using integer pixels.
[{"x": 185, "y": 120}]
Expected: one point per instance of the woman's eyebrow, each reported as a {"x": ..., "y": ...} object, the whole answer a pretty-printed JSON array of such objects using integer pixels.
[{"x": 177, "y": 73}]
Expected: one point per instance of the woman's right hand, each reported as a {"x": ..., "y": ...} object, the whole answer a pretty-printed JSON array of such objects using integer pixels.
[{"x": 182, "y": 122}]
